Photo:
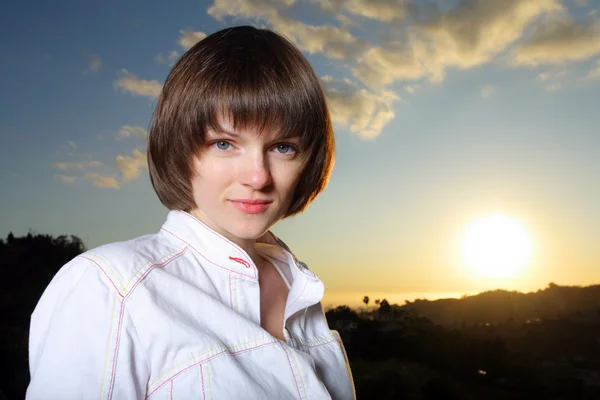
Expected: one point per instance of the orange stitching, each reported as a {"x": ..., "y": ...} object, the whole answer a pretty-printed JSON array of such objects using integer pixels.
[{"x": 114, "y": 367}]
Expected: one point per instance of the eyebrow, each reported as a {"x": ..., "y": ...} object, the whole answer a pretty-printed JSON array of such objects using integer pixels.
[{"x": 235, "y": 134}]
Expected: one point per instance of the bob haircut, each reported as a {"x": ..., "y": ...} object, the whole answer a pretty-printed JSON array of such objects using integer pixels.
[{"x": 257, "y": 79}]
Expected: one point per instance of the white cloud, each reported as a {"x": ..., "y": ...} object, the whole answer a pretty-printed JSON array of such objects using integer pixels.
[
  {"x": 594, "y": 72},
  {"x": 365, "y": 112},
  {"x": 553, "y": 87},
  {"x": 130, "y": 83},
  {"x": 67, "y": 179},
  {"x": 412, "y": 89},
  {"x": 102, "y": 181},
  {"x": 78, "y": 165},
  {"x": 130, "y": 130},
  {"x": 72, "y": 144},
  {"x": 553, "y": 80},
  {"x": 94, "y": 64},
  {"x": 189, "y": 38},
  {"x": 487, "y": 91},
  {"x": 169, "y": 60},
  {"x": 380, "y": 10},
  {"x": 559, "y": 40},
  {"x": 130, "y": 166},
  {"x": 544, "y": 76},
  {"x": 414, "y": 42}
]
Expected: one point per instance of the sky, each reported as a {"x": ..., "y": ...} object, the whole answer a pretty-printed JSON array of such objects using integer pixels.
[{"x": 444, "y": 112}]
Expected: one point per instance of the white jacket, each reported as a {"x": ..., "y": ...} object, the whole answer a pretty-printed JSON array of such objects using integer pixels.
[{"x": 175, "y": 315}]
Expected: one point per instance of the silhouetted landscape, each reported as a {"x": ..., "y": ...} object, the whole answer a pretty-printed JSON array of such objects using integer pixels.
[{"x": 494, "y": 345}]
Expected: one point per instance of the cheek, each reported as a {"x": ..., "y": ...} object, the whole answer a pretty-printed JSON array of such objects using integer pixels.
[{"x": 289, "y": 177}]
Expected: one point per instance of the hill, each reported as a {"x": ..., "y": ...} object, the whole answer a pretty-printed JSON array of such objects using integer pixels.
[{"x": 500, "y": 306}]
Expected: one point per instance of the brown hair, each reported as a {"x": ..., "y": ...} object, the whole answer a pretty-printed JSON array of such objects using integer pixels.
[{"x": 258, "y": 79}]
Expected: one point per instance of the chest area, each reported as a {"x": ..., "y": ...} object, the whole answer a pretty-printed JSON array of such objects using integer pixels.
[
  {"x": 198, "y": 345},
  {"x": 273, "y": 299}
]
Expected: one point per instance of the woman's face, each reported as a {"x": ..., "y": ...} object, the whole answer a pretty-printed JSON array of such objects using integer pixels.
[{"x": 243, "y": 181}]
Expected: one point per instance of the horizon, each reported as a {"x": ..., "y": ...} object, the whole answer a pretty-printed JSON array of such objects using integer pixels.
[{"x": 460, "y": 126}]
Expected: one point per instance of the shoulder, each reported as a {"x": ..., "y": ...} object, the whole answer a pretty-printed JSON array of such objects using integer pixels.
[{"x": 126, "y": 263}]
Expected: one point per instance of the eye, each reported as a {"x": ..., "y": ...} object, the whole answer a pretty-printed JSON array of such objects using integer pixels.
[
  {"x": 285, "y": 148},
  {"x": 222, "y": 145}
]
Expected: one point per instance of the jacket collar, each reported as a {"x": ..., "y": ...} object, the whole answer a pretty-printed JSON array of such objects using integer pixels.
[
  {"x": 306, "y": 288},
  {"x": 208, "y": 244}
]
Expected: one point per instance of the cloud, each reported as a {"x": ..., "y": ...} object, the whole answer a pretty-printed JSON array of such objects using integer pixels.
[
  {"x": 169, "y": 60},
  {"x": 487, "y": 91},
  {"x": 189, "y": 38},
  {"x": 67, "y": 179},
  {"x": 102, "y": 181},
  {"x": 412, "y": 89},
  {"x": 470, "y": 34},
  {"x": 78, "y": 165},
  {"x": 130, "y": 166},
  {"x": 594, "y": 72},
  {"x": 559, "y": 40},
  {"x": 94, "y": 64},
  {"x": 130, "y": 83},
  {"x": 552, "y": 80},
  {"x": 413, "y": 42},
  {"x": 380, "y": 10},
  {"x": 129, "y": 130},
  {"x": 72, "y": 144},
  {"x": 332, "y": 41},
  {"x": 365, "y": 112},
  {"x": 582, "y": 3}
]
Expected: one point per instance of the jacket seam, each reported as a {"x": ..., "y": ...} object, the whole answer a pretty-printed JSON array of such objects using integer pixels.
[
  {"x": 159, "y": 264},
  {"x": 222, "y": 350}
]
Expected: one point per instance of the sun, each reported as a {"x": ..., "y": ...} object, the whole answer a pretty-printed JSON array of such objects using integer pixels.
[{"x": 496, "y": 246}]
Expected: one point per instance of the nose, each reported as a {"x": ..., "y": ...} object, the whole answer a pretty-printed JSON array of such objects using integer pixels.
[{"x": 255, "y": 172}]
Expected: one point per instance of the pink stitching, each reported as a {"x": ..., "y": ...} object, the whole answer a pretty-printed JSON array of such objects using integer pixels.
[
  {"x": 151, "y": 267},
  {"x": 105, "y": 274},
  {"x": 241, "y": 261},
  {"x": 202, "y": 379},
  {"x": 171, "y": 394},
  {"x": 301, "y": 293},
  {"x": 203, "y": 256},
  {"x": 208, "y": 359},
  {"x": 114, "y": 366},
  {"x": 292, "y": 369}
]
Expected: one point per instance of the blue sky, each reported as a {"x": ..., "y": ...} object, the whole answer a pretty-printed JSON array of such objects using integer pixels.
[{"x": 444, "y": 112}]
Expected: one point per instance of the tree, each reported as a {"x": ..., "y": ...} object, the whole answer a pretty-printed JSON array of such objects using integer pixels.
[{"x": 366, "y": 301}]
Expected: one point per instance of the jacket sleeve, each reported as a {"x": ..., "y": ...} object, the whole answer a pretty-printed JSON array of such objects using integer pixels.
[{"x": 82, "y": 341}]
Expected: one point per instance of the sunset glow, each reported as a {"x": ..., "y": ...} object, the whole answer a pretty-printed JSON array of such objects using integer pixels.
[{"x": 496, "y": 246}]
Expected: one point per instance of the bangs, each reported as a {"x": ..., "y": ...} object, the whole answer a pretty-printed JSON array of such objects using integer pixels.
[{"x": 260, "y": 84}]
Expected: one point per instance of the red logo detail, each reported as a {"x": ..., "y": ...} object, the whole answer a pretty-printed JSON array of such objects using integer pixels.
[{"x": 241, "y": 261}]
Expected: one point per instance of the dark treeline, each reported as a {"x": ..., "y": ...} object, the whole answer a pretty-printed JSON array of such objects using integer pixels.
[
  {"x": 496, "y": 345},
  {"x": 397, "y": 353},
  {"x": 27, "y": 265}
]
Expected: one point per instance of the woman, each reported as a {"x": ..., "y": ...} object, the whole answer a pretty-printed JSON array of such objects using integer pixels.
[{"x": 213, "y": 306}]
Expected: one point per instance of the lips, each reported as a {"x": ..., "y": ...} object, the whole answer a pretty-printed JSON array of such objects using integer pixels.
[{"x": 251, "y": 206}]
